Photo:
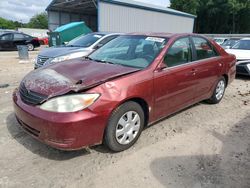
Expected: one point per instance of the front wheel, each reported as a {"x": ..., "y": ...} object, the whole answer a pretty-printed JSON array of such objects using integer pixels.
[
  {"x": 218, "y": 91},
  {"x": 124, "y": 126}
]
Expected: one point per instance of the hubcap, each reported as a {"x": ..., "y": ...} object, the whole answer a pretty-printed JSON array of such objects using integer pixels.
[
  {"x": 30, "y": 47},
  {"x": 220, "y": 90},
  {"x": 128, "y": 127}
]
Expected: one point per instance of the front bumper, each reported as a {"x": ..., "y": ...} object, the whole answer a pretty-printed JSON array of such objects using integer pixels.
[
  {"x": 243, "y": 69},
  {"x": 65, "y": 131}
]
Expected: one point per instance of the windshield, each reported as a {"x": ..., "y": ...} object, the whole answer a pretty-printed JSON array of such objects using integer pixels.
[
  {"x": 85, "y": 40},
  {"x": 242, "y": 45},
  {"x": 132, "y": 51},
  {"x": 230, "y": 42}
]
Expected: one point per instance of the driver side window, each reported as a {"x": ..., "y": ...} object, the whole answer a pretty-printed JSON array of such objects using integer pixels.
[
  {"x": 179, "y": 53},
  {"x": 6, "y": 37}
]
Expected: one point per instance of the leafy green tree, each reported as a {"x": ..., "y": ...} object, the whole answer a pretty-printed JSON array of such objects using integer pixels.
[
  {"x": 217, "y": 16},
  {"x": 39, "y": 21},
  {"x": 182, "y": 5},
  {"x": 8, "y": 24}
]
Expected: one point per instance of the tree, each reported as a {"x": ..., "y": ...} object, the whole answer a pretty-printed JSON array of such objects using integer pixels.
[
  {"x": 39, "y": 21},
  {"x": 190, "y": 6},
  {"x": 8, "y": 24},
  {"x": 217, "y": 16}
]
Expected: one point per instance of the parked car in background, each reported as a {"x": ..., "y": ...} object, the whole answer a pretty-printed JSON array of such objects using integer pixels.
[
  {"x": 132, "y": 81},
  {"x": 44, "y": 41},
  {"x": 229, "y": 43},
  {"x": 242, "y": 52},
  {"x": 10, "y": 40},
  {"x": 220, "y": 40},
  {"x": 78, "y": 47}
]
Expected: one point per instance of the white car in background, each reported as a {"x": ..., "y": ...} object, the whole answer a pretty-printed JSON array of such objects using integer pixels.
[
  {"x": 220, "y": 41},
  {"x": 242, "y": 52},
  {"x": 81, "y": 46}
]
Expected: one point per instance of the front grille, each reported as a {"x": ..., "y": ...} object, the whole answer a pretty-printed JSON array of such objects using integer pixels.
[
  {"x": 41, "y": 60},
  {"x": 241, "y": 69},
  {"x": 30, "y": 97},
  {"x": 29, "y": 129}
]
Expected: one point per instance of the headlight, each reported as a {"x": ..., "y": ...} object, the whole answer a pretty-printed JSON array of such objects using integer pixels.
[
  {"x": 248, "y": 66},
  {"x": 65, "y": 57},
  {"x": 70, "y": 103}
]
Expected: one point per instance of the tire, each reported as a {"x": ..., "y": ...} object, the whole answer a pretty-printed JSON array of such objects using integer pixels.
[
  {"x": 124, "y": 126},
  {"x": 218, "y": 92},
  {"x": 30, "y": 47}
]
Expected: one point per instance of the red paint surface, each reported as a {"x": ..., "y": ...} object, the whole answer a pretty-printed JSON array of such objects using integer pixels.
[{"x": 165, "y": 91}]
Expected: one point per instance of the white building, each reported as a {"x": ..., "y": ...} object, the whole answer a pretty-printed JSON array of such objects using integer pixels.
[{"x": 119, "y": 16}]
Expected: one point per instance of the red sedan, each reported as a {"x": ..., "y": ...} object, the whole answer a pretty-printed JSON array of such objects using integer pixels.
[{"x": 111, "y": 95}]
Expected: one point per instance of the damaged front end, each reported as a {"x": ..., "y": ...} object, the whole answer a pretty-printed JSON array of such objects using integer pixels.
[{"x": 42, "y": 85}]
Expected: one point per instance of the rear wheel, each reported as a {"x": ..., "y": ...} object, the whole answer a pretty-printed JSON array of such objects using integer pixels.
[
  {"x": 124, "y": 126},
  {"x": 218, "y": 91},
  {"x": 30, "y": 47}
]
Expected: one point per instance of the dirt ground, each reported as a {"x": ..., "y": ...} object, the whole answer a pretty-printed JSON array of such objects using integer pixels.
[{"x": 202, "y": 146}]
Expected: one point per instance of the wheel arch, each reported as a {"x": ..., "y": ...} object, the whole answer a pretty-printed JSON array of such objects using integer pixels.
[
  {"x": 226, "y": 78},
  {"x": 142, "y": 102}
]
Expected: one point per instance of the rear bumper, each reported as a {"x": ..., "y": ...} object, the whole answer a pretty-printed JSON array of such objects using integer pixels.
[{"x": 65, "y": 131}]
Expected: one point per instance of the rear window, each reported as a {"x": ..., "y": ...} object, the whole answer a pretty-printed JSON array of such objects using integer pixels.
[{"x": 86, "y": 40}]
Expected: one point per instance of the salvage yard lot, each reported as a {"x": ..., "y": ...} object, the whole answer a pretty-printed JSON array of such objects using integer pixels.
[{"x": 202, "y": 146}]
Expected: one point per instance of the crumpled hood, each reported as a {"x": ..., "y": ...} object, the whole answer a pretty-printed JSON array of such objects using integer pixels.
[
  {"x": 63, "y": 50},
  {"x": 74, "y": 75},
  {"x": 240, "y": 54}
]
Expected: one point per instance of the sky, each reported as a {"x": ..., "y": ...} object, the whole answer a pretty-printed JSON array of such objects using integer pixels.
[{"x": 23, "y": 10}]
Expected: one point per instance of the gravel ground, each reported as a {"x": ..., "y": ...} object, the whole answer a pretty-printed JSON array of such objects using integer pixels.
[{"x": 202, "y": 146}]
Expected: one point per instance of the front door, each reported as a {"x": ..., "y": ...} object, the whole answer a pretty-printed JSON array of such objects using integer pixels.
[{"x": 6, "y": 41}]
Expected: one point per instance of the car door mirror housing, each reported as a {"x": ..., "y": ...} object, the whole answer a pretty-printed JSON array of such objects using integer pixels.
[
  {"x": 161, "y": 66},
  {"x": 98, "y": 46}
]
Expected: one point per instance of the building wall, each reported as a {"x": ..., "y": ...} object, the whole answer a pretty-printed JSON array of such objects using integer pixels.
[
  {"x": 57, "y": 18},
  {"x": 119, "y": 18}
]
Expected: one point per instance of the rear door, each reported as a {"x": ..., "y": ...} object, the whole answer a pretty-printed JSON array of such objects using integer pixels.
[
  {"x": 207, "y": 67},
  {"x": 19, "y": 39},
  {"x": 175, "y": 86}
]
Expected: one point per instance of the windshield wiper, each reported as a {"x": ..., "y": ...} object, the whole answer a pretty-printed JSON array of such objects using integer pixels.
[
  {"x": 103, "y": 61},
  {"x": 88, "y": 58}
]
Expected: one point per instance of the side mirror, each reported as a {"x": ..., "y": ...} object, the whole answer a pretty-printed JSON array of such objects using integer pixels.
[
  {"x": 65, "y": 43},
  {"x": 161, "y": 67},
  {"x": 98, "y": 46}
]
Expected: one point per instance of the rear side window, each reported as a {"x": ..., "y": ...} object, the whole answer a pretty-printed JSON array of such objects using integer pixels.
[
  {"x": 18, "y": 36},
  {"x": 203, "y": 48},
  {"x": 179, "y": 53}
]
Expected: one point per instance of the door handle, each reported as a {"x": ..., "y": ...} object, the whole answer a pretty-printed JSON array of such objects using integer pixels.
[{"x": 193, "y": 72}]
